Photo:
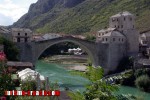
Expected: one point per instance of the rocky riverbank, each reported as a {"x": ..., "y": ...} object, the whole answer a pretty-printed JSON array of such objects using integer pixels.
[
  {"x": 71, "y": 62},
  {"x": 78, "y": 68}
]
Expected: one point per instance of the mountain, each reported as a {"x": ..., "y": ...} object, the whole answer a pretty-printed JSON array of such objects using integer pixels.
[{"x": 81, "y": 16}]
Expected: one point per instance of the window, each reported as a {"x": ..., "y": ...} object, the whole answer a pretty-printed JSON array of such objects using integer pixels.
[
  {"x": 115, "y": 25},
  {"x": 124, "y": 18},
  {"x": 121, "y": 26},
  {"x": 117, "y": 19},
  {"x": 133, "y": 26},
  {"x": 25, "y": 34},
  {"x": 119, "y": 39},
  {"x": 99, "y": 34},
  {"x": 118, "y": 26},
  {"x": 18, "y": 33},
  {"x": 113, "y": 39},
  {"x": 26, "y": 39},
  {"x": 106, "y": 39},
  {"x": 122, "y": 40},
  {"x": 18, "y": 39}
]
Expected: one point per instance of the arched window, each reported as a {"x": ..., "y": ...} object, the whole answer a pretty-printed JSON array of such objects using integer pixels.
[
  {"x": 106, "y": 39},
  {"x": 26, "y": 39},
  {"x": 99, "y": 34},
  {"x": 25, "y": 34},
  {"x": 18, "y": 39}
]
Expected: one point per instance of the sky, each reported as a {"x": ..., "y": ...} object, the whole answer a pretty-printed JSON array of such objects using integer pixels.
[{"x": 12, "y": 10}]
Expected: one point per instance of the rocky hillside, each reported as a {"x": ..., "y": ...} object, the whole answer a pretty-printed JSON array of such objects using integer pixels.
[{"x": 81, "y": 16}]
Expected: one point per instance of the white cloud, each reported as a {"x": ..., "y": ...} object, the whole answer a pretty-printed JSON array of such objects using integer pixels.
[
  {"x": 12, "y": 10},
  {"x": 5, "y": 20}
]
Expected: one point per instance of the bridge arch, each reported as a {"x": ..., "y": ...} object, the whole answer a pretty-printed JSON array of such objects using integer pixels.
[{"x": 89, "y": 47}]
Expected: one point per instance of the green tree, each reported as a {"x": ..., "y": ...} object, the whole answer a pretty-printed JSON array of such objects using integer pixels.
[
  {"x": 90, "y": 38},
  {"x": 97, "y": 89},
  {"x": 143, "y": 83},
  {"x": 10, "y": 49}
]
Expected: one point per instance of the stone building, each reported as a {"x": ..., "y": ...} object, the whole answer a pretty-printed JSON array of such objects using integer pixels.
[
  {"x": 14, "y": 66},
  {"x": 121, "y": 37},
  {"x": 21, "y": 35},
  {"x": 145, "y": 39},
  {"x": 144, "y": 43},
  {"x": 125, "y": 23},
  {"x": 110, "y": 35}
]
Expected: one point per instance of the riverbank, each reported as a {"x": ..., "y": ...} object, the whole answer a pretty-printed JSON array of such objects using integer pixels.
[
  {"x": 78, "y": 68},
  {"x": 71, "y": 62}
]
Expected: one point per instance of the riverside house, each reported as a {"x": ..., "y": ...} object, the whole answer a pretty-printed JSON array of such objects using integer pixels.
[{"x": 14, "y": 66}]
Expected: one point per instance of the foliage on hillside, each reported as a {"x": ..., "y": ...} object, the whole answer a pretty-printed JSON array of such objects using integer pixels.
[{"x": 83, "y": 16}]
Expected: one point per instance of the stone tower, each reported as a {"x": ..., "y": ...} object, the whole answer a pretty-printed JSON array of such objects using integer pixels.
[
  {"x": 125, "y": 23},
  {"x": 21, "y": 35}
]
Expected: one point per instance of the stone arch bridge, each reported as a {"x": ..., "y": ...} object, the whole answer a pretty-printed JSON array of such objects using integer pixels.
[{"x": 100, "y": 54}]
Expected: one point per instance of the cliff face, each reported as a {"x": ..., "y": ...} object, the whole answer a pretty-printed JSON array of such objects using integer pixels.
[{"x": 81, "y": 16}]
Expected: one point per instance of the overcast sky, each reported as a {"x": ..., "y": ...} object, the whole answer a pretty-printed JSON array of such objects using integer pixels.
[{"x": 12, "y": 10}]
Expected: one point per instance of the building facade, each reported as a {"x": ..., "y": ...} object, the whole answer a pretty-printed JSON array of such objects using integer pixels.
[{"x": 21, "y": 35}]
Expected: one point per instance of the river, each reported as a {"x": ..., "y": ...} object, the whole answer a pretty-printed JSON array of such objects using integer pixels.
[{"x": 58, "y": 73}]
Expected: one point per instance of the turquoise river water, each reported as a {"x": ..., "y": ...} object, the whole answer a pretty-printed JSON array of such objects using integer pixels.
[{"x": 58, "y": 73}]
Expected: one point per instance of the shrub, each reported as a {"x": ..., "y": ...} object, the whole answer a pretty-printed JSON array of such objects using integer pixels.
[
  {"x": 129, "y": 80},
  {"x": 140, "y": 72},
  {"x": 143, "y": 82},
  {"x": 10, "y": 49},
  {"x": 29, "y": 84}
]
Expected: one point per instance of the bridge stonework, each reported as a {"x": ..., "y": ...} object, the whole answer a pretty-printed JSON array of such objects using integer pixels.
[{"x": 100, "y": 54}]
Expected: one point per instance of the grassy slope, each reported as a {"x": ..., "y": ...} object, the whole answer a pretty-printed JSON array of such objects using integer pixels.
[{"x": 91, "y": 16}]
